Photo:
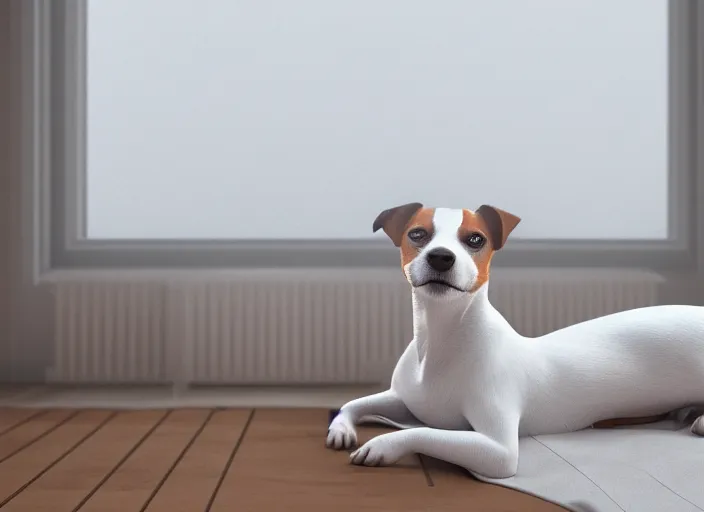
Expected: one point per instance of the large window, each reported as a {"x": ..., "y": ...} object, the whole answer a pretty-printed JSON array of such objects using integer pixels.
[{"x": 224, "y": 123}]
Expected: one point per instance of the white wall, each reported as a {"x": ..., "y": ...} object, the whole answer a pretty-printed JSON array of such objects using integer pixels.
[
  {"x": 26, "y": 309},
  {"x": 304, "y": 119},
  {"x": 7, "y": 323}
]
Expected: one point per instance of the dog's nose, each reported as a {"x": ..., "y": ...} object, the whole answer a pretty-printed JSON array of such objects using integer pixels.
[{"x": 441, "y": 259}]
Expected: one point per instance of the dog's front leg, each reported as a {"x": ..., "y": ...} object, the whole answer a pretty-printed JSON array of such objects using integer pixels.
[
  {"x": 492, "y": 457},
  {"x": 342, "y": 433}
]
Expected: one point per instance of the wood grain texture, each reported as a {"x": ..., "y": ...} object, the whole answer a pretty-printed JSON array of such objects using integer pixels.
[
  {"x": 192, "y": 460},
  {"x": 133, "y": 485},
  {"x": 74, "y": 477},
  {"x": 31, "y": 431},
  {"x": 11, "y": 418},
  {"x": 19, "y": 471},
  {"x": 193, "y": 483},
  {"x": 283, "y": 460}
]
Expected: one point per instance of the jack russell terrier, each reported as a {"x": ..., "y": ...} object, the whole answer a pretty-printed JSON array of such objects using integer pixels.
[{"x": 476, "y": 385}]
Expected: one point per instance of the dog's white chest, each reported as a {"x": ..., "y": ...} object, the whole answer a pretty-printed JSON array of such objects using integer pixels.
[{"x": 436, "y": 400}]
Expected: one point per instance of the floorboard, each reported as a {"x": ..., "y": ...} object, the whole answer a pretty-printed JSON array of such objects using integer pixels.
[
  {"x": 132, "y": 487},
  {"x": 31, "y": 431},
  {"x": 282, "y": 464},
  {"x": 12, "y": 418},
  {"x": 67, "y": 483},
  {"x": 219, "y": 460},
  {"x": 22, "y": 469},
  {"x": 193, "y": 483}
]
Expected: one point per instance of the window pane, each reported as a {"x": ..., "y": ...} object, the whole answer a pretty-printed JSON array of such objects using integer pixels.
[{"x": 304, "y": 119}]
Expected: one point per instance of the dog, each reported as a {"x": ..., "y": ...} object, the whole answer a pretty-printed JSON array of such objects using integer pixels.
[{"x": 475, "y": 385}]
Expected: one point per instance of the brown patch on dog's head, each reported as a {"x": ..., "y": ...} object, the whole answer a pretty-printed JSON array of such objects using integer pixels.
[
  {"x": 499, "y": 223},
  {"x": 474, "y": 223},
  {"x": 493, "y": 224},
  {"x": 394, "y": 221},
  {"x": 423, "y": 218}
]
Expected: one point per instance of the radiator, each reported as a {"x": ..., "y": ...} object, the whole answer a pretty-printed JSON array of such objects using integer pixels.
[
  {"x": 292, "y": 327},
  {"x": 107, "y": 332}
]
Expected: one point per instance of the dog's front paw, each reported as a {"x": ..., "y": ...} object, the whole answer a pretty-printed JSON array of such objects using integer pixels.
[
  {"x": 383, "y": 450},
  {"x": 341, "y": 434}
]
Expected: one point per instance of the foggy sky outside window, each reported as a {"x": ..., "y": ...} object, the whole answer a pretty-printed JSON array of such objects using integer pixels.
[{"x": 304, "y": 119}]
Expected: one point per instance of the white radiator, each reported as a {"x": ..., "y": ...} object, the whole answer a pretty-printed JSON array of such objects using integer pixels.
[
  {"x": 108, "y": 332},
  {"x": 312, "y": 327}
]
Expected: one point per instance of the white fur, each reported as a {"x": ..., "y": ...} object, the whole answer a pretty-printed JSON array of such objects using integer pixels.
[{"x": 468, "y": 368}]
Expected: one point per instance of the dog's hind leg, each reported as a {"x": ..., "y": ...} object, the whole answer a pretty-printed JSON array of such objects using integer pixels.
[
  {"x": 693, "y": 414},
  {"x": 385, "y": 407}
]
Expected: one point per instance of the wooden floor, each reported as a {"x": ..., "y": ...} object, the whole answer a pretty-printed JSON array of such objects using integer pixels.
[{"x": 195, "y": 460}]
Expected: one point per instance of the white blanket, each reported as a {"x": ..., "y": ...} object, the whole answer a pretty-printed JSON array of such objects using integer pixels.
[{"x": 648, "y": 468}]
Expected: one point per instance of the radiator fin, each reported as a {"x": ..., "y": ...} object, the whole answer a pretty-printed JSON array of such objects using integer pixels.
[{"x": 108, "y": 332}]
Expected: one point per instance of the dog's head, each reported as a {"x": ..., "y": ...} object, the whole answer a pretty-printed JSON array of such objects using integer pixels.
[{"x": 446, "y": 253}]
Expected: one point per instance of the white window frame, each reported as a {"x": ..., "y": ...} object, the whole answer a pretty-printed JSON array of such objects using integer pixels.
[{"x": 54, "y": 59}]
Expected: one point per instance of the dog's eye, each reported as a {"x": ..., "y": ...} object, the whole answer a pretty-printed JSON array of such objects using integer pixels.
[
  {"x": 475, "y": 241},
  {"x": 417, "y": 234}
]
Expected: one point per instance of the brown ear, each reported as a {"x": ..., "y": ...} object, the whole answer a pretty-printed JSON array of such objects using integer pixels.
[
  {"x": 394, "y": 220},
  {"x": 499, "y": 222}
]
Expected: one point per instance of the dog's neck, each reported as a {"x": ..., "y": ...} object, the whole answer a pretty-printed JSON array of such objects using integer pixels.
[{"x": 448, "y": 329}]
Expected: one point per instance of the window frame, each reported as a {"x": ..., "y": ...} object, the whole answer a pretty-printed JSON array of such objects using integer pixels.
[{"x": 54, "y": 48}]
